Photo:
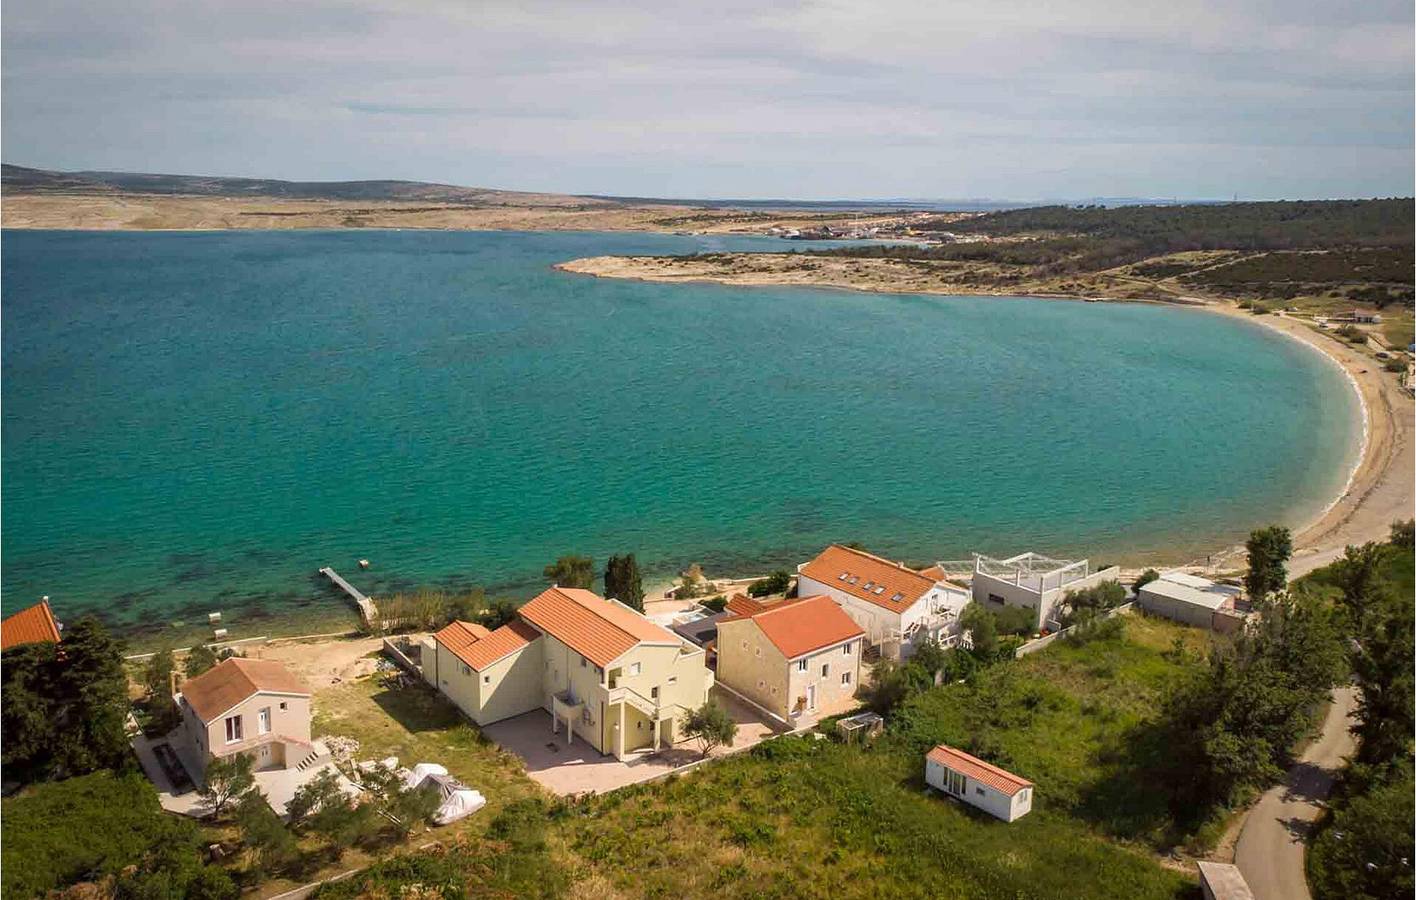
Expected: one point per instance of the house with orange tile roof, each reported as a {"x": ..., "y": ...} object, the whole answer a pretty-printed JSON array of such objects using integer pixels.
[
  {"x": 252, "y": 706},
  {"x": 796, "y": 657},
  {"x": 996, "y": 791},
  {"x": 603, "y": 672},
  {"x": 34, "y": 625},
  {"x": 896, "y": 606}
]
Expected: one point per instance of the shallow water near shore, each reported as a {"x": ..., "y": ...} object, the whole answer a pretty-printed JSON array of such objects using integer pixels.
[{"x": 198, "y": 421}]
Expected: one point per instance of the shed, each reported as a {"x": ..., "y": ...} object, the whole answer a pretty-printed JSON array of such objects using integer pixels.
[
  {"x": 860, "y": 727},
  {"x": 1186, "y": 598},
  {"x": 1221, "y": 881},
  {"x": 995, "y": 791}
]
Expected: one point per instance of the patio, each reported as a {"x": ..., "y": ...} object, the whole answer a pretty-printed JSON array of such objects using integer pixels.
[{"x": 579, "y": 768}]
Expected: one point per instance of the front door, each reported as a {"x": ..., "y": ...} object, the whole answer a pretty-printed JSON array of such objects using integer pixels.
[
  {"x": 811, "y": 698},
  {"x": 263, "y": 756}
]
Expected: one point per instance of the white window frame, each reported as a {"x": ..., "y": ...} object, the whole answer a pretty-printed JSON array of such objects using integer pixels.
[
  {"x": 825, "y": 670},
  {"x": 233, "y": 726},
  {"x": 845, "y": 678},
  {"x": 634, "y": 668},
  {"x": 801, "y": 665},
  {"x": 263, "y": 720},
  {"x": 846, "y": 648}
]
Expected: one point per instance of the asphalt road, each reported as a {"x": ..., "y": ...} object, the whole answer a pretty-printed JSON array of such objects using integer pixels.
[{"x": 1271, "y": 844}]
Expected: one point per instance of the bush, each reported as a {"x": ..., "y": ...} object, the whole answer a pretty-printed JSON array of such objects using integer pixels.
[
  {"x": 776, "y": 583},
  {"x": 1145, "y": 578},
  {"x": 1365, "y": 849},
  {"x": 84, "y": 828},
  {"x": 716, "y": 604},
  {"x": 1394, "y": 365}
]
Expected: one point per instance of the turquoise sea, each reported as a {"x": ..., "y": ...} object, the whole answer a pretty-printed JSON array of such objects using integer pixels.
[{"x": 199, "y": 421}]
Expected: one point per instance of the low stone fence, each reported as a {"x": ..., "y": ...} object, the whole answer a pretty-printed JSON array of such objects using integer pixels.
[{"x": 1043, "y": 642}]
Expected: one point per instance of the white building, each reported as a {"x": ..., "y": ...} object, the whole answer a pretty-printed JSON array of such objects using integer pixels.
[
  {"x": 893, "y": 604},
  {"x": 1186, "y": 598},
  {"x": 997, "y": 792},
  {"x": 1035, "y": 582}
]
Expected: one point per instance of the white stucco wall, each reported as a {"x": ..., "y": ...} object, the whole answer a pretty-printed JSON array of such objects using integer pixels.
[{"x": 987, "y": 798}]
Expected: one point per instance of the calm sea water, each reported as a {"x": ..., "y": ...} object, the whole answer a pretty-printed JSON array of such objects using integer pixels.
[{"x": 196, "y": 422}]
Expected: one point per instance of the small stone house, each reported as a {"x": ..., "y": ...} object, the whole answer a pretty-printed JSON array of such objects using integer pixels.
[
  {"x": 252, "y": 706},
  {"x": 791, "y": 657},
  {"x": 968, "y": 778}
]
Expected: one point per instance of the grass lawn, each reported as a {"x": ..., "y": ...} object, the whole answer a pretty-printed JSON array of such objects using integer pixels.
[
  {"x": 416, "y": 725},
  {"x": 804, "y": 818},
  {"x": 800, "y": 817}
]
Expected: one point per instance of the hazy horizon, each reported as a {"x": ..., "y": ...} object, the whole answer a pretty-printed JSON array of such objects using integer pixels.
[{"x": 811, "y": 101}]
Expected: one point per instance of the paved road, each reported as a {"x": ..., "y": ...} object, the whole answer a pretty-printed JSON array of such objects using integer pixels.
[{"x": 1270, "y": 849}]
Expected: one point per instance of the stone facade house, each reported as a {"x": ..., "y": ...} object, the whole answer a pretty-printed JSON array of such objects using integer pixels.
[
  {"x": 252, "y": 706},
  {"x": 792, "y": 657}
]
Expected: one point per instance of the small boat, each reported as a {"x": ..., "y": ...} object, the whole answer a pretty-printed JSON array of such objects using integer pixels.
[{"x": 363, "y": 563}]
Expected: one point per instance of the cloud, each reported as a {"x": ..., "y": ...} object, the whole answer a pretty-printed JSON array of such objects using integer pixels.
[{"x": 810, "y": 99}]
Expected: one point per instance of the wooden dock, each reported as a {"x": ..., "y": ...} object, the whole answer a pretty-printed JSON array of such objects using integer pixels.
[{"x": 368, "y": 613}]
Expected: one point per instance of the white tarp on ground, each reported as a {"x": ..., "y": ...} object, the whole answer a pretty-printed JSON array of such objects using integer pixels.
[
  {"x": 458, "y": 800},
  {"x": 420, "y": 772}
]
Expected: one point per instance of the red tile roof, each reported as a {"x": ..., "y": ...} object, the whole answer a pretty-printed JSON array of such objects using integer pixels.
[
  {"x": 458, "y": 637},
  {"x": 978, "y": 770},
  {"x": 493, "y": 646},
  {"x": 590, "y": 625},
  {"x": 743, "y": 605},
  {"x": 29, "y": 626},
  {"x": 231, "y": 681},
  {"x": 801, "y": 626},
  {"x": 891, "y": 585}
]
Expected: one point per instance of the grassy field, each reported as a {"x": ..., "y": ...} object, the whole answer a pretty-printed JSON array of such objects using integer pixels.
[{"x": 802, "y": 817}]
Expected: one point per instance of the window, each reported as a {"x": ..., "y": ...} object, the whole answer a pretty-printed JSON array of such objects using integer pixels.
[
  {"x": 845, "y": 678},
  {"x": 654, "y": 693},
  {"x": 284, "y": 705},
  {"x": 825, "y": 670},
  {"x": 584, "y": 662},
  {"x": 774, "y": 690},
  {"x": 953, "y": 782},
  {"x": 756, "y": 651},
  {"x": 801, "y": 665},
  {"x": 233, "y": 729},
  {"x": 994, "y": 598},
  {"x": 846, "y": 650},
  {"x": 1023, "y": 795},
  {"x": 978, "y": 790},
  {"x": 263, "y": 720},
  {"x": 744, "y": 645},
  {"x": 634, "y": 668},
  {"x": 897, "y": 597},
  {"x": 843, "y": 576},
  {"x": 868, "y": 585},
  {"x": 466, "y": 669},
  {"x": 673, "y": 679},
  {"x": 486, "y": 679}
]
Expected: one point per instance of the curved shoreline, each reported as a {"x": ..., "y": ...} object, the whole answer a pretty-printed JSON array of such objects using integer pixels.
[{"x": 1380, "y": 487}]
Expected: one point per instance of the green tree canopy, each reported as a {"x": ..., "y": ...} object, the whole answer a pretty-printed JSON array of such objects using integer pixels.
[
  {"x": 1269, "y": 550},
  {"x": 199, "y": 659},
  {"x": 775, "y": 583},
  {"x": 711, "y": 726},
  {"x": 982, "y": 630},
  {"x": 623, "y": 582},
  {"x": 572, "y": 572}
]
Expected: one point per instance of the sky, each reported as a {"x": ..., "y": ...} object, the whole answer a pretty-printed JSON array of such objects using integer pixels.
[{"x": 996, "y": 99}]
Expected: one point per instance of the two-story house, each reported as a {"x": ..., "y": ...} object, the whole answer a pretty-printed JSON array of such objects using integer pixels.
[
  {"x": 252, "y": 706},
  {"x": 897, "y": 606},
  {"x": 791, "y": 657},
  {"x": 602, "y": 670}
]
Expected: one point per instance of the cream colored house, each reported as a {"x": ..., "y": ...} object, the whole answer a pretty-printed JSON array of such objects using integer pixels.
[
  {"x": 791, "y": 657},
  {"x": 607, "y": 674},
  {"x": 251, "y": 706}
]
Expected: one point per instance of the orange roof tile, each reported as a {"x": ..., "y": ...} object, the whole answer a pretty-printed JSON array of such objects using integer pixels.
[
  {"x": 499, "y": 644},
  {"x": 978, "y": 770},
  {"x": 743, "y": 605},
  {"x": 803, "y": 625},
  {"x": 29, "y": 626},
  {"x": 590, "y": 625},
  {"x": 891, "y": 585},
  {"x": 934, "y": 572},
  {"x": 459, "y": 636},
  {"x": 231, "y": 681}
]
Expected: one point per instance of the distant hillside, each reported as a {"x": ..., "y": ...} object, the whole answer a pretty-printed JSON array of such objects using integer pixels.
[
  {"x": 1279, "y": 225},
  {"x": 20, "y": 179}
]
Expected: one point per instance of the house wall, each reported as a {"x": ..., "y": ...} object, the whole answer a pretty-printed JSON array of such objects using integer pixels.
[
  {"x": 682, "y": 680},
  {"x": 564, "y": 669},
  {"x": 985, "y": 797},
  {"x": 511, "y": 685},
  {"x": 456, "y": 680},
  {"x": 831, "y": 695},
  {"x": 1176, "y": 610},
  {"x": 872, "y": 618},
  {"x": 753, "y": 666},
  {"x": 986, "y": 586},
  {"x": 291, "y": 722}
]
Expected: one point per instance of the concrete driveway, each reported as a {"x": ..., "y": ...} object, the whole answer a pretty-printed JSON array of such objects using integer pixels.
[
  {"x": 1272, "y": 843},
  {"x": 578, "y": 768}
]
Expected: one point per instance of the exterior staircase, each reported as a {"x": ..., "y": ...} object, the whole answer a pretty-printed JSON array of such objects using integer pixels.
[{"x": 317, "y": 754}]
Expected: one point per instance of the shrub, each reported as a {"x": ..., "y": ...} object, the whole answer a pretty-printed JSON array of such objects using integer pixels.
[
  {"x": 716, "y": 604},
  {"x": 776, "y": 583},
  {"x": 711, "y": 726},
  {"x": 1145, "y": 578}
]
